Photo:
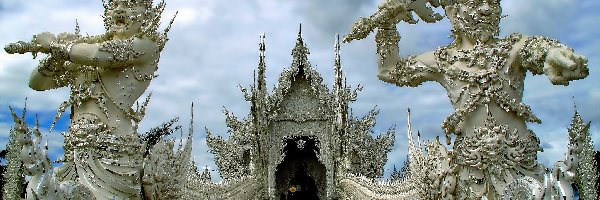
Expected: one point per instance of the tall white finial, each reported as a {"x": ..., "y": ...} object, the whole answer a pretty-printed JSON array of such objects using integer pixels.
[
  {"x": 411, "y": 145},
  {"x": 337, "y": 65},
  {"x": 261, "y": 82}
]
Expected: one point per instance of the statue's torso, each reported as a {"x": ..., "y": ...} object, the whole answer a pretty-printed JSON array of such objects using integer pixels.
[
  {"x": 485, "y": 86},
  {"x": 485, "y": 82},
  {"x": 110, "y": 93}
]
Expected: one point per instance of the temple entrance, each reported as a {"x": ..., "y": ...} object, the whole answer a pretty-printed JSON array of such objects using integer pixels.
[{"x": 300, "y": 175}]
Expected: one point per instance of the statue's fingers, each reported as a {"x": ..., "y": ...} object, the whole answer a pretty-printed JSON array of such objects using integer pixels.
[
  {"x": 581, "y": 60},
  {"x": 434, "y": 3},
  {"x": 424, "y": 12},
  {"x": 563, "y": 59},
  {"x": 576, "y": 59},
  {"x": 579, "y": 73},
  {"x": 408, "y": 18},
  {"x": 548, "y": 69},
  {"x": 553, "y": 74},
  {"x": 385, "y": 5},
  {"x": 579, "y": 70}
]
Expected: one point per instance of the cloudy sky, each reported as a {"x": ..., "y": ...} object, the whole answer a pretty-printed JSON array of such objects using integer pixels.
[{"x": 213, "y": 48}]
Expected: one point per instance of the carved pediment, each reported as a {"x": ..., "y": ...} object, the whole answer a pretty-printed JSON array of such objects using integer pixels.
[
  {"x": 301, "y": 104},
  {"x": 300, "y": 94}
]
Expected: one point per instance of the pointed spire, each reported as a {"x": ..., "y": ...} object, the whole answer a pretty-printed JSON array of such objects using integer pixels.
[
  {"x": 77, "y": 28},
  {"x": 300, "y": 31},
  {"x": 419, "y": 139},
  {"x": 259, "y": 92},
  {"x": 300, "y": 52},
  {"x": 575, "y": 108},
  {"x": 338, "y": 88},
  {"x": 205, "y": 175},
  {"x": 581, "y": 147},
  {"x": 191, "y": 130},
  {"x": 337, "y": 64},
  {"x": 395, "y": 175},
  {"x": 576, "y": 117},
  {"x": 255, "y": 86},
  {"x": 185, "y": 149},
  {"x": 258, "y": 103},
  {"x": 299, "y": 40},
  {"x": 411, "y": 144},
  {"x": 577, "y": 125},
  {"x": 337, "y": 51},
  {"x": 24, "y": 109},
  {"x": 252, "y": 96},
  {"x": 36, "y": 129},
  {"x": 261, "y": 65}
]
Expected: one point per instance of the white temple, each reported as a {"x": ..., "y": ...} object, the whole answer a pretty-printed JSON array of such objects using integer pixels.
[{"x": 300, "y": 140}]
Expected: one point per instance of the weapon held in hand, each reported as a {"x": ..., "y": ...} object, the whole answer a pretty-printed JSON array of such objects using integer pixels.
[
  {"x": 22, "y": 47},
  {"x": 392, "y": 12}
]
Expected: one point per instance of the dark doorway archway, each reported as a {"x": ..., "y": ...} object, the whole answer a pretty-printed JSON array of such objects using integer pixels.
[{"x": 300, "y": 175}]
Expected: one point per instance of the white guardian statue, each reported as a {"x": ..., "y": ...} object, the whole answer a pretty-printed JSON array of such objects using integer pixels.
[
  {"x": 106, "y": 74},
  {"x": 494, "y": 152}
]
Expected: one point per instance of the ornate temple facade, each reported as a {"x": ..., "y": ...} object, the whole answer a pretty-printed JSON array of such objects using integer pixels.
[
  {"x": 299, "y": 141},
  {"x": 301, "y": 137}
]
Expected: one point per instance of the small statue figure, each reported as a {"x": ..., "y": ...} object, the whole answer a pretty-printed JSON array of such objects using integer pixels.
[
  {"x": 483, "y": 76},
  {"x": 106, "y": 74}
]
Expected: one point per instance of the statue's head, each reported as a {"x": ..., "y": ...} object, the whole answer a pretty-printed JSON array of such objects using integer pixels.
[
  {"x": 126, "y": 18},
  {"x": 478, "y": 20}
]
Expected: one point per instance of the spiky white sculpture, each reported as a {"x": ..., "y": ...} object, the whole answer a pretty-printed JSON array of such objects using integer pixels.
[
  {"x": 494, "y": 153},
  {"x": 106, "y": 74}
]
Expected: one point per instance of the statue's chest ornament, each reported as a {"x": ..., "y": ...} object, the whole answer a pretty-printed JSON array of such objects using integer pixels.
[
  {"x": 482, "y": 64},
  {"x": 481, "y": 75},
  {"x": 481, "y": 81}
]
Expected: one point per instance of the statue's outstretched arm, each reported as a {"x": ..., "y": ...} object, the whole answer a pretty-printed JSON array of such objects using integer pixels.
[
  {"x": 114, "y": 53},
  {"x": 107, "y": 53},
  {"x": 391, "y": 12},
  {"x": 410, "y": 71},
  {"x": 559, "y": 62}
]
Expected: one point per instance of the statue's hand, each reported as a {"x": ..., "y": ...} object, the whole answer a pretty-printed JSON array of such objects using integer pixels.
[
  {"x": 391, "y": 13},
  {"x": 45, "y": 39},
  {"x": 562, "y": 65},
  {"x": 402, "y": 11}
]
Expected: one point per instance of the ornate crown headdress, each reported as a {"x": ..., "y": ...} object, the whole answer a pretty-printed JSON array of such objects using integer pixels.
[
  {"x": 445, "y": 3},
  {"x": 130, "y": 3},
  {"x": 150, "y": 17}
]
